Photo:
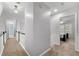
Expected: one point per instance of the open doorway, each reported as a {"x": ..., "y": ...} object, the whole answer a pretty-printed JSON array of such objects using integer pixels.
[
  {"x": 67, "y": 35},
  {"x": 67, "y": 27}
]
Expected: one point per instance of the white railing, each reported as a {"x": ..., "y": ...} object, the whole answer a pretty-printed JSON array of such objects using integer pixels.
[
  {"x": 2, "y": 41},
  {"x": 19, "y": 35}
]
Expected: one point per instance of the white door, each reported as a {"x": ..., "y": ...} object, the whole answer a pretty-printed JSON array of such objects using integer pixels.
[{"x": 10, "y": 28}]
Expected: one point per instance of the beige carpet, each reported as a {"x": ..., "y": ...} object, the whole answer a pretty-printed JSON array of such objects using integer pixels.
[
  {"x": 13, "y": 48},
  {"x": 65, "y": 49}
]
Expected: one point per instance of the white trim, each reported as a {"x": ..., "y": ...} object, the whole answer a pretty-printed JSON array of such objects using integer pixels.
[
  {"x": 71, "y": 14},
  {"x": 2, "y": 48},
  {"x": 77, "y": 50},
  {"x": 24, "y": 49},
  {"x": 55, "y": 44},
  {"x": 1, "y": 51},
  {"x": 76, "y": 28},
  {"x": 45, "y": 52}
]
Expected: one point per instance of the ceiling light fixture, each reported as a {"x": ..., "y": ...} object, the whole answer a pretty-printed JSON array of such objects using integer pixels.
[
  {"x": 55, "y": 10},
  {"x": 9, "y": 22},
  {"x": 61, "y": 22},
  {"x": 16, "y": 11},
  {"x": 16, "y": 7}
]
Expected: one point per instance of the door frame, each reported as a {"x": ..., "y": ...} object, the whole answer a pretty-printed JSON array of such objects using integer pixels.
[
  {"x": 76, "y": 20},
  {"x": 7, "y": 34}
]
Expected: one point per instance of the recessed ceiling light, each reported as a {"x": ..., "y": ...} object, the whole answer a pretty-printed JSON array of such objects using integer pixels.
[
  {"x": 9, "y": 22},
  {"x": 16, "y": 11},
  {"x": 61, "y": 22},
  {"x": 55, "y": 10}
]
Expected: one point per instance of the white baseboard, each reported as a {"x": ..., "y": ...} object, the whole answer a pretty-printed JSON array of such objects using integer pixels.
[
  {"x": 45, "y": 52},
  {"x": 58, "y": 44},
  {"x": 52, "y": 45},
  {"x": 24, "y": 49},
  {"x": 77, "y": 50}
]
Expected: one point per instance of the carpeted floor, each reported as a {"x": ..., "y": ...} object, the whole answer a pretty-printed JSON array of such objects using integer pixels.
[
  {"x": 13, "y": 48},
  {"x": 65, "y": 49}
]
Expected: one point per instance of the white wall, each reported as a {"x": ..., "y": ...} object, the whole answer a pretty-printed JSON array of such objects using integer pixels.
[
  {"x": 1, "y": 45},
  {"x": 41, "y": 28},
  {"x": 2, "y": 27},
  {"x": 77, "y": 32},
  {"x": 29, "y": 27},
  {"x": 1, "y": 8},
  {"x": 55, "y": 39},
  {"x": 26, "y": 26}
]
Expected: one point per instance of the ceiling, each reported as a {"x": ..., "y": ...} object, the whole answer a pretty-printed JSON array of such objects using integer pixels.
[
  {"x": 61, "y": 6},
  {"x": 11, "y": 6},
  {"x": 8, "y": 7},
  {"x": 68, "y": 19},
  {"x": 8, "y": 10}
]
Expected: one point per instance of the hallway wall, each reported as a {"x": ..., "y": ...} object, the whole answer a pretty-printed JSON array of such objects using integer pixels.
[
  {"x": 41, "y": 29},
  {"x": 2, "y": 28},
  {"x": 77, "y": 33},
  {"x": 26, "y": 26},
  {"x": 29, "y": 28},
  {"x": 54, "y": 23},
  {"x": 1, "y": 45}
]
